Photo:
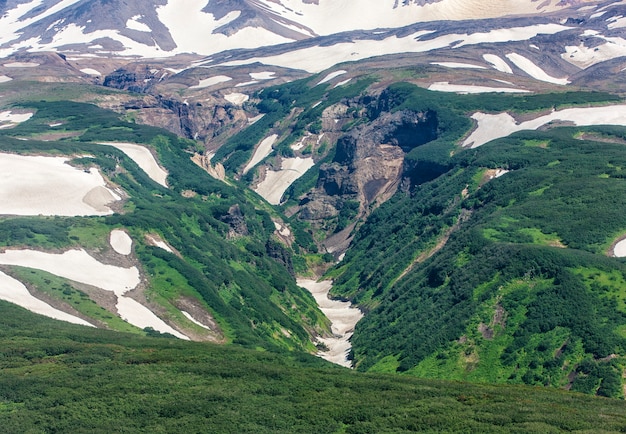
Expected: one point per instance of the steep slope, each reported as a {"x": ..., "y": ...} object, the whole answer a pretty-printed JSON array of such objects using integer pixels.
[
  {"x": 497, "y": 269},
  {"x": 203, "y": 261}
]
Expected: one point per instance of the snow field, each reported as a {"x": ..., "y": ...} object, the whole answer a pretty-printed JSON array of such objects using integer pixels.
[
  {"x": 276, "y": 183},
  {"x": 490, "y": 127}
]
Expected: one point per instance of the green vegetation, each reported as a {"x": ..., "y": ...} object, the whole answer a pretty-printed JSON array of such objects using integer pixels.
[
  {"x": 269, "y": 309},
  {"x": 57, "y": 377},
  {"x": 484, "y": 280}
]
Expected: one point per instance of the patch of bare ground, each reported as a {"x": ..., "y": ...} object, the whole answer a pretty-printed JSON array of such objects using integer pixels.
[
  {"x": 193, "y": 307},
  {"x": 498, "y": 320},
  {"x": 55, "y": 135},
  {"x": 600, "y": 138}
]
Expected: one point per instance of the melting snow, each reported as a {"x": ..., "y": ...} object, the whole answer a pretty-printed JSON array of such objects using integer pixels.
[
  {"x": 79, "y": 266},
  {"x": 275, "y": 183},
  {"x": 90, "y": 71},
  {"x": 265, "y": 75},
  {"x": 134, "y": 24},
  {"x": 34, "y": 185},
  {"x": 263, "y": 150},
  {"x": 533, "y": 70},
  {"x": 120, "y": 241},
  {"x": 317, "y": 59},
  {"x": 14, "y": 291},
  {"x": 4, "y": 79},
  {"x": 444, "y": 86},
  {"x": 236, "y": 98},
  {"x": 343, "y": 318},
  {"x": 498, "y": 63},
  {"x": 620, "y": 249},
  {"x": 492, "y": 127},
  {"x": 193, "y": 320},
  {"x": 331, "y": 75},
  {"x": 144, "y": 159},
  {"x": 458, "y": 65},
  {"x": 211, "y": 81}
]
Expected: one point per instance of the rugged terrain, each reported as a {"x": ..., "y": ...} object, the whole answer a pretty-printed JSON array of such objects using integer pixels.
[{"x": 453, "y": 167}]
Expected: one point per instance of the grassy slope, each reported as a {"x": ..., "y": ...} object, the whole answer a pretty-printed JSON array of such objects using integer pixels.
[{"x": 57, "y": 377}]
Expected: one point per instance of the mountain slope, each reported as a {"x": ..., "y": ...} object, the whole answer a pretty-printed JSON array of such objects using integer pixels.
[{"x": 60, "y": 377}]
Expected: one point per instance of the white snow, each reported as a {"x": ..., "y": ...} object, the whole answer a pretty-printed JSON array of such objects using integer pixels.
[
  {"x": 34, "y": 185},
  {"x": 4, "y": 79},
  {"x": 144, "y": 159},
  {"x": 262, "y": 150},
  {"x": 90, "y": 71},
  {"x": 236, "y": 98},
  {"x": 533, "y": 70},
  {"x": 265, "y": 75},
  {"x": 193, "y": 30},
  {"x": 444, "y": 86},
  {"x": 498, "y": 63},
  {"x": 211, "y": 81},
  {"x": 317, "y": 59},
  {"x": 330, "y": 16},
  {"x": 134, "y": 24},
  {"x": 584, "y": 57},
  {"x": 79, "y": 266},
  {"x": 193, "y": 320},
  {"x": 494, "y": 126},
  {"x": 331, "y": 75},
  {"x": 246, "y": 83},
  {"x": 343, "y": 318},
  {"x": 14, "y": 291},
  {"x": 158, "y": 242},
  {"x": 620, "y": 249},
  {"x": 275, "y": 183},
  {"x": 120, "y": 241},
  {"x": 10, "y": 119},
  {"x": 341, "y": 83},
  {"x": 458, "y": 65}
]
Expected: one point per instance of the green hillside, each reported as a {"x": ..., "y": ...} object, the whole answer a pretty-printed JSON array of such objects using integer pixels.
[
  {"x": 58, "y": 377},
  {"x": 503, "y": 279}
]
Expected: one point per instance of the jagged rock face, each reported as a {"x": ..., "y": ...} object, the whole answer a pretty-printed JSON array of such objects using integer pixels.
[{"x": 369, "y": 162}]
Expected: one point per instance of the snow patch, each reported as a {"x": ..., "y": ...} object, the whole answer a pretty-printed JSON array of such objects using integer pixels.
[
  {"x": 4, "y": 79},
  {"x": 144, "y": 159},
  {"x": 121, "y": 242},
  {"x": 265, "y": 75},
  {"x": 490, "y": 127},
  {"x": 444, "y": 86},
  {"x": 14, "y": 291},
  {"x": 620, "y": 249},
  {"x": 236, "y": 98},
  {"x": 9, "y": 119},
  {"x": 533, "y": 70},
  {"x": 458, "y": 65},
  {"x": 262, "y": 150},
  {"x": 134, "y": 24},
  {"x": 34, "y": 185},
  {"x": 90, "y": 71},
  {"x": 211, "y": 81},
  {"x": 193, "y": 320},
  {"x": 79, "y": 266},
  {"x": 498, "y": 63},
  {"x": 317, "y": 58},
  {"x": 343, "y": 318},
  {"x": 276, "y": 183},
  {"x": 330, "y": 76}
]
